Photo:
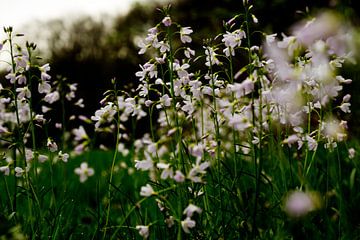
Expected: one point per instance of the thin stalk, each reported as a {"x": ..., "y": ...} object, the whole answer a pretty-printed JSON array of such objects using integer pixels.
[{"x": 112, "y": 165}]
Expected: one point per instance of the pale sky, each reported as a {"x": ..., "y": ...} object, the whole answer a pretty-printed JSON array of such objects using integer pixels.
[
  {"x": 25, "y": 15},
  {"x": 17, "y": 13}
]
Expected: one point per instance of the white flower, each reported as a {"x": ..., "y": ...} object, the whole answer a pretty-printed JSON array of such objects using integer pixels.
[
  {"x": 144, "y": 165},
  {"x": 52, "y": 97},
  {"x": 5, "y": 170},
  {"x": 189, "y": 210},
  {"x": 299, "y": 203},
  {"x": 351, "y": 153},
  {"x": 23, "y": 92},
  {"x": 52, "y": 145},
  {"x": 179, "y": 176},
  {"x": 167, "y": 21},
  {"x": 80, "y": 133},
  {"x": 167, "y": 170},
  {"x": 19, "y": 171},
  {"x": 11, "y": 77},
  {"x": 187, "y": 223},
  {"x": 42, "y": 158},
  {"x": 44, "y": 69},
  {"x": 184, "y": 34},
  {"x": 188, "y": 52},
  {"x": 29, "y": 155},
  {"x": 84, "y": 172},
  {"x": 143, "y": 230},
  {"x": 146, "y": 191},
  {"x": 44, "y": 87},
  {"x": 63, "y": 156}
]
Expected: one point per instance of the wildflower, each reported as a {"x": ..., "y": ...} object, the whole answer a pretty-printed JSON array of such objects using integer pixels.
[
  {"x": 29, "y": 155},
  {"x": 23, "y": 92},
  {"x": 189, "y": 210},
  {"x": 351, "y": 152},
  {"x": 144, "y": 165},
  {"x": 179, "y": 176},
  {"x": 143, "y": 230},
  {"x": 147, "y": 191},
  {"x": 11, "y": 77},
  {"x": 80, "y": 103},
  {"x": 63, "y": 156},
  {"x": 187, "y": 224},
  {"x": 165, "y": 101},
  {"x": 164, "y": 47},
  {"x": 42, "y": 158},
  {"x": 188, "y": 107},
  {"x": 232, "y": 40},
  {"x": 188, "y": 52},
  {"x": 167, "y": 21},
  {"x": 44, "y": 69},
  {"x": 198, "y": 170},
  {"x": 121, "y": 148},
  {"x": 104, "y": 115},
  {"x": 167, "y": 170},
  {"x": 21, "y": 79},
  {"x": 80, "y": 133},
  {"x": 52, "y": 97},
  {"x": 19, "y": 171},
  {"x": 211, "y": 57},
  {"x": 299, "y": 203},
  {"x": 184, "y": 34},
  {"x": 52, "y": 145},
  {"x": 170, "y": 221},
  {"x": 84, "y": 172},
  {"x": 5, "y": 170}
]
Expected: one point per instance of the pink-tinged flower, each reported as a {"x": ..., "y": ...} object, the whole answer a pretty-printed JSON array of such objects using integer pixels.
[
  {"x": 80, "y": 133},
  {"x": 211, "y": 57},
  {"x": 42, "y": 158},
  {"x": 190, "y": 209},
  {"x": 164, "y": 47},
  {"x": 187, "y": 224},
  {"x": 52, "y": 97},
  {"x": 21, "y": 79},
  {"x": 52, "y": 145},
  {"x": 144, "y": 165},
  {"x": 185, "y": 34},
  {"x": 351, "y": 152},
  {"x": 167, "y": 21},
  {"x": 167, "y": 170},
  {"x": 19, "y": 171},
  {"x": 147, "y": 191},
  {"x": 143, "y": 230},
  {"x": 63, "y": 156},
  {"x": 1, "y": 46},
  {"x": 321, "y": 27},
  {"x": 165, "y": 101},
  {"x": 44, "y": 69},
  {"x": 11, "y": 77},
  {"x": 44, "y": 87},
  {"x": 299, "y": 204},
  {"x": 80, "y": 103},
  {"x": 29, "y": 155},
  {"x": 188, "y": 52},
  {"x": 179, "y": 176},
  {"x": 84, "y": 172},
  {"x": 23, "y": 92},
  {"x": 5, "y": 170}
]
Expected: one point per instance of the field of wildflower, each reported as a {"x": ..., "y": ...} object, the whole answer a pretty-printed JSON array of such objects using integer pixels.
[{"x": 244, "y": 141}]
